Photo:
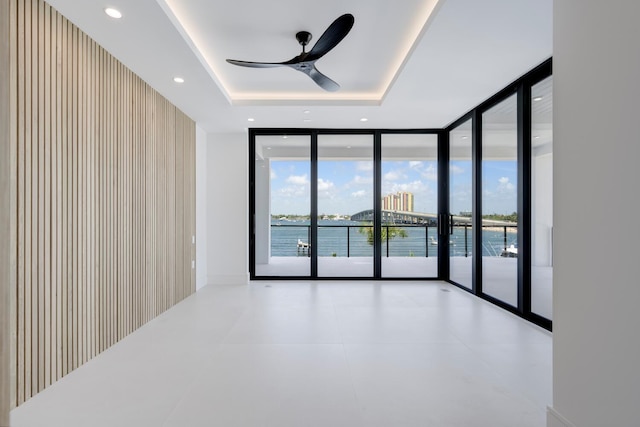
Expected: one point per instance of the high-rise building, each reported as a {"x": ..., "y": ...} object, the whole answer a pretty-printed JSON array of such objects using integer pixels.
[
  {"x": 406, "y": 201},
  {"x": 401, "y": 201}
]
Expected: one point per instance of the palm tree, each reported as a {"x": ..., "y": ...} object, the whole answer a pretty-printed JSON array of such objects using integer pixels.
[{"x": 387, "y": 232}]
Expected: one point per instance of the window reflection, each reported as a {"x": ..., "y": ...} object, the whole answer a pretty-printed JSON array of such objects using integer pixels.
[
  {"x": 500, "y": 201},
  {"x": 542, "y": 197}
]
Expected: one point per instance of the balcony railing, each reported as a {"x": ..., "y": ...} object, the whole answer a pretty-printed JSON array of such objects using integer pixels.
[{"x": 420, "y": 241}]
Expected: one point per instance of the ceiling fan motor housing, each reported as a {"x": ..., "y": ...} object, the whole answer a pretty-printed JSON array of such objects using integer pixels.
[{"x": 303, "y": 37}]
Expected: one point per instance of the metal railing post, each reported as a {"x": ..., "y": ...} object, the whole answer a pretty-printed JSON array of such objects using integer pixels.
[
  {"x": 466, "y": 241},
  {"x": 426, "y": 240},
  {"x": 387, "y": 241},
  {"x": 505, "y": 237}
]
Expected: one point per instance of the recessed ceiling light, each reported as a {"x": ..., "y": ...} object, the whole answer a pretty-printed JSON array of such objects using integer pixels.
[
  {"x": 364, "y": 119},
  {"x": 251, "y": 119},
  {"x": 114, "y": 13},
  {"x": 268, "y": 148},
  {"x": 307, "y": 111},
  {"x": 348, "y": 146},
  {"x": 536, "y": 137},
  {"x": 537, "y": 98},
  {"x": 465, "y": 137},
  {"x": 178, "y": 79},
  {"x": 284, "y": 137}
]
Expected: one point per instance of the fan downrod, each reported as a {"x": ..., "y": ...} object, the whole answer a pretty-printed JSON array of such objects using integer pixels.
[{"x": 303, "y": 37}]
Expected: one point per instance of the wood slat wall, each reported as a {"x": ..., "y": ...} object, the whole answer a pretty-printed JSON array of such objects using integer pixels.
[
  {"x": 5, "y": 215},
  {"x": 103, "y": 200}
]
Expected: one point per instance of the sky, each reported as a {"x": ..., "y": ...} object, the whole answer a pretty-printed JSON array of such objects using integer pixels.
[{"x": 345, "y": 187}]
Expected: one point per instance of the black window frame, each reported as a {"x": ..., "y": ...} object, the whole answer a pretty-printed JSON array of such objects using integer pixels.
[{"x": 522, "y": 89}]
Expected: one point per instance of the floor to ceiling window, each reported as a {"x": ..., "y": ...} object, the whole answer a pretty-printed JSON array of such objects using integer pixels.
[
  {"x": 409, "y": 223},
  {"x": 461, "y": 205},
  {"x": 325, "y": 205},
  {"x": 345, "y": 187},
  {"x": 542, "y": 197},
  {"x": 499, "y": 214},
  {"x": 282, "y": 205},
  {"x": 470, "y": 203}
]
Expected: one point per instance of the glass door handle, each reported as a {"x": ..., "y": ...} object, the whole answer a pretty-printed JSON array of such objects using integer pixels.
[{"x": 442, "y": 225}]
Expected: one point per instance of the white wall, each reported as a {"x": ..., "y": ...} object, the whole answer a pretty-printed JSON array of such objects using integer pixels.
[
  {"x": 202, "y": 224},
  {"x": 222, "y": 209},
  {"x": 596, "y": 339}
]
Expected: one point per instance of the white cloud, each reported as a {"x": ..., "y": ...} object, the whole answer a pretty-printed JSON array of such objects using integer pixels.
[
  {"x": 324, "y": 185},
  {"x": 360, "y": 193},
  {"x": 298, "y": 179},
  {"x": 364, "y": 166},
  {"x": 456, "y": 170},
  {"x": 294, "y": 191},
  {"x": 362, "y": 180},
  {"x": 273, "y": 174},
  {"x": 431, "y": 173},
  {"x": 415, "y": 164},
  {"x": 298, "y": 188},
  {"x": 394, "y": 176},
  {"x": 412, "y": 187},
  {"x": 505, "y": 186}
]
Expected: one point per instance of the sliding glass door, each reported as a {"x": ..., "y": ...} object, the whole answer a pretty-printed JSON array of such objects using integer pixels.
[
  {"x": 461, "y": 205},
  {"x": 409, "y": 205},
  {"x": 345, "y": 191},
  {"x": 500, "y": 201},
  {"x": 542, "y": 198},
  {"x": 282, "y": 174},
  {"x": 318, "y": 198}
]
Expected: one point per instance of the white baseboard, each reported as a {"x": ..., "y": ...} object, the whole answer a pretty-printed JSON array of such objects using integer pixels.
[
  {"x": 228, "y": 279},
  {"x": 554, "y": 419}
]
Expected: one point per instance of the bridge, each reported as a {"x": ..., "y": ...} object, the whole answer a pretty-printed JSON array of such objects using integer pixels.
[
  {"x": 406, "y": 217},
  {"x": 399, "y": 217}
]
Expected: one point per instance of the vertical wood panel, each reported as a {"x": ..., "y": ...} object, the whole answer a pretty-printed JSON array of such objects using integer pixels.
[
  {"x": 57, "y": 143},
  {"x": 39, "y": 190},
  {"x": 28, "y": 203},
  {"x": 45, "y": 312},
  {"x": 64, "y": 197},
  {"x": 101, "y": 195},
  {"x": 21, "y": 238},
  {"x": 9, "y": 154},
  {"x": 7, "y": 219}
]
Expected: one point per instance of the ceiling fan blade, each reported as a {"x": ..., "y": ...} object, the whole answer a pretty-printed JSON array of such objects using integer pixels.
[
  {"x": 321, "y": 80},
  {"x": 331, "y": 37},
  {"x": 255, "y": 64}
]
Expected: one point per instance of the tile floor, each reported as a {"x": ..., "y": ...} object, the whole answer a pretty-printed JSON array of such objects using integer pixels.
[{"x": 309, "y": 354}]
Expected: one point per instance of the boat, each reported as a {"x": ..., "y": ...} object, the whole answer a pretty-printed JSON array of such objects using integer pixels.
[
  {"x": 510, "y": 252},
  {"x": 434, "y": 242},
  {"x": 303, "y": 246}
]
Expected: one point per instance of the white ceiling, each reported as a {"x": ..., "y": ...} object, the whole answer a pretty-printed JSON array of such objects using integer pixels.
[
  {"x": 365, "y": 63},
  {"x": 399, "y": 66}
]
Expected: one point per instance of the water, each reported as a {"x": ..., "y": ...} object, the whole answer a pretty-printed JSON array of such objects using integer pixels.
[{"x": 343, "y": 238}]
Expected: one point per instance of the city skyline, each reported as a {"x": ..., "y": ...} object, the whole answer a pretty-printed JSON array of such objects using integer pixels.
[{"x": 345, "y": 187}]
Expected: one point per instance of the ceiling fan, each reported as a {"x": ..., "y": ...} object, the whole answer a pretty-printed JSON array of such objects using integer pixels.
[{"x": 305, "y": 62}]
